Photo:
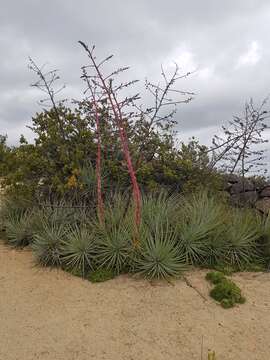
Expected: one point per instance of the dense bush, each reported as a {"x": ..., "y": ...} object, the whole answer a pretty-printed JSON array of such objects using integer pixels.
[{"x": 62, "y": 163}]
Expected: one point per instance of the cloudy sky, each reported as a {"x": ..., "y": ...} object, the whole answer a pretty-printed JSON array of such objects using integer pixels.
[{"x": 226, "y": 42}]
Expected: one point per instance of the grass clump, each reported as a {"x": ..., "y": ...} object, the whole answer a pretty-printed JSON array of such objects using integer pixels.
[
  {"x": 226, "y": 292},
  {"x": 100, "y": 275}
]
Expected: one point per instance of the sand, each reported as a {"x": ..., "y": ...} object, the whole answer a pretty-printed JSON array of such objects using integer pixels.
[{"x": 51, "y": 315}]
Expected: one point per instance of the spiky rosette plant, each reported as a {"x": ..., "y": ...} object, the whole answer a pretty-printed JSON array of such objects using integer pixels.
[
  {"x": 242, "y": 234},
  {"x": 216, "y": 249},
  {"x": 199, "y": 219},
  {"x": 62, "y": 212},
  {"x": 19, "y": 232},
  {"x": 159, "y": 256},
  {"x": 264, "y": 241},
  {"x": 9, "y": 209},
  {"x": 114, "y": 236},
  {"x": 160, "y": 208},
  {"x": 114, "y": 246},
  {"x": 47, "y": 243},
  {"x": 78, "y": 250}
]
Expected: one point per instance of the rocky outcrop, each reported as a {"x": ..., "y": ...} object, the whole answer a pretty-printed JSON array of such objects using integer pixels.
[{"x": 248, "y": 193}]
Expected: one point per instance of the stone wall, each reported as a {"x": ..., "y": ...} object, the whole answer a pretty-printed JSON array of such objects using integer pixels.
[{"x": 248, "y": 193}]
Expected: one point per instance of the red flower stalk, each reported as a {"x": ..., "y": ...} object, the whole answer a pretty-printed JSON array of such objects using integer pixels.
[{"x": 116, "y": 109}]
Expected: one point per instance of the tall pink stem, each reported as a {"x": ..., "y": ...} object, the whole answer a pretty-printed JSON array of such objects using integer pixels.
[{"x": 123, "y": 137}]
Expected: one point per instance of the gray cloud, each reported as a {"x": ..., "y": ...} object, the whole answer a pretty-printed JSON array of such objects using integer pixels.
[{"x": 227, "y": 42}]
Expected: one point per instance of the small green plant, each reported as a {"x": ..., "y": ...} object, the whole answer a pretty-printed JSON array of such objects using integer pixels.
[
  {"x": 211, "y": 355},
  {"x": 215, "y": 277},
  {"x": 100, "y": 275},
  {"x": 227, "y": 293},
  {"x": 225, "y": 269}
]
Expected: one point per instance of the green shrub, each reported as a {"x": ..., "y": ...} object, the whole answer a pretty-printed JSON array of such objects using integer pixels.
[
  {"x": 224, "y": 268},
  {"x": 78, "y": 250},
  {"x": 215, "y": 277},
  {"x": 227, "y": 303},
  {"x": 101, "y": 275},
  {"x": 227, "y": 293}
]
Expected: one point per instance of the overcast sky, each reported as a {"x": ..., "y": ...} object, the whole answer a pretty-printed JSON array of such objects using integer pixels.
[{"x": 227, "y": 42}]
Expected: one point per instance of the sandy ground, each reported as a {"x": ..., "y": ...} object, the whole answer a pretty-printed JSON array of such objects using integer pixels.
[{"x": 51, "y": 315}]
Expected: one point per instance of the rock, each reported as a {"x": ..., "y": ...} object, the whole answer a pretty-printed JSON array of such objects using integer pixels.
[
  {"x": 244, "y": 198},
  {"x": 232, "y": 179},
  {"x": 238, "y": 187},
  {"x": 263, "y": 205},
  {"x": 265, "y": 192}
]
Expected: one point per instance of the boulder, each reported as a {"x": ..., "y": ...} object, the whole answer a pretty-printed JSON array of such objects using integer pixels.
[
  {"x": 263, "y": 205},
  {"x": 265, "y": 192},
  {"x": 238, "y": 187}
]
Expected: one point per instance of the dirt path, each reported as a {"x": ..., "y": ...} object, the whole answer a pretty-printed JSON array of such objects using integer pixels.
[{"x": 51, "y": 315}]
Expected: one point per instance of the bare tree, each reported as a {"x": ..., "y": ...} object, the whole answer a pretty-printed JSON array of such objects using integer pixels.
[
  {"x": 47, "y": 84},
  {"x": 238, "y": 150},
  {"x": 160, "y": 115}
]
